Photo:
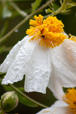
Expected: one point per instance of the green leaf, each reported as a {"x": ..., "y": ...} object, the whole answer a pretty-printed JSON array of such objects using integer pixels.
[
  {"x": 21, "y": 89},
  {"x": 22, "y": 99},
  {"x": 70, "y": 5},
  {"x": 49, "y": 10},
  {"x": 54, "y": 6},
  {"x": 3, "y": 30},
  {"x": 66, "y": 11},
  {"x": 6, "y": 12},
  {"x": 35, "y": 5},
  {"x": 2, "y": 49}
]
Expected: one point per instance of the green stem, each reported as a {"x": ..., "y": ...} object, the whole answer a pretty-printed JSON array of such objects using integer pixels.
[
  {"x": 18, "y": 9},
  {"x": 44, "y": 106},
  {"x": 59, "y": 10},
  {"x": 2, "y": 40},
  {"x": 2, "y": 112}
]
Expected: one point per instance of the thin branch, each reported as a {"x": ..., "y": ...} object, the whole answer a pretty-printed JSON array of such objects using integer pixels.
[
  {"x": 2, "y": 40},
  {"x": 24, "y": 95},
  {"x": 59, "y": 10},
  {"x": 18, "y": 9}
]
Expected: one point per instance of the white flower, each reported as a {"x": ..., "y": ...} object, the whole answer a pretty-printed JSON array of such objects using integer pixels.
[
  {"x": 42, "y": 66},
  {"x": 65, "y": 106},
  {"x": 63, "y": 73},
  {"x": 59, "y": 107},
  {"x": 30, "y": 59}
]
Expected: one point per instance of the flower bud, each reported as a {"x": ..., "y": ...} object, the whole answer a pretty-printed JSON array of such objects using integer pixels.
[{"x": 9, "y": 101}]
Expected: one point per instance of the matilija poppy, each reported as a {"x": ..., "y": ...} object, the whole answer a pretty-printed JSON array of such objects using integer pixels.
[
  {"x": 65, "y": 106},
  {"x": 63, "y": 60},
  {"x": 42, "y": 57}
]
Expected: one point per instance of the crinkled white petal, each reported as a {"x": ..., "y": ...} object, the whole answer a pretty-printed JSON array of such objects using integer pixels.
[
  {"x": 59, "y": 107},
  {"x": 64, "y": 63},
  {"x": 38, "y": 72},
  {"x": 20, "y": 63},
  {"x": 11, "y": 56},
  {"x": 32, "y": 60},
  {"x": 55, "y": 87}
]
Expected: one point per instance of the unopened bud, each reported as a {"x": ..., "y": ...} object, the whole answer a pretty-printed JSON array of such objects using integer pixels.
[{"x": 9, "y": 101}]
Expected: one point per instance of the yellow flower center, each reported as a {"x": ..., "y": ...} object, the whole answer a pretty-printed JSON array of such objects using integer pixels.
[
  {"x": 70, "y": 99},
  {"x": 73, "y": 38},
  {"x": 47, "y": 32}
]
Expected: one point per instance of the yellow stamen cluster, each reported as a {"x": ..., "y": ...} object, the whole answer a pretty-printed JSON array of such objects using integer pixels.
[
  {"x": 70, "y": 99},
  {"x": 73, "y": 38},
  {"x": 47, "y": 32}
]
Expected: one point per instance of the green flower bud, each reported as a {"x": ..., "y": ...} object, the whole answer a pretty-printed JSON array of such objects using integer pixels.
[{"x": 9, "y": 101}]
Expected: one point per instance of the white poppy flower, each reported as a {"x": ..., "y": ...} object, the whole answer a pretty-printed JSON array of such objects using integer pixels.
[
  {"x": 59, "y": 107},
  {"x": 65, "y": 106},
  {"x": 63, "y": 60},
  {"x": 43, "y": 64},
  {"x": 30, "y": 59}
]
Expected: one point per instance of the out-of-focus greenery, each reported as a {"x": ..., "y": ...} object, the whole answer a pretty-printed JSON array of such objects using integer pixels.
[{"x": 10, "y": 16}]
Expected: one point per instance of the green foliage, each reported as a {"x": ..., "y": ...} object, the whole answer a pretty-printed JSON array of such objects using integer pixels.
[
  {"x": 49, "y": 10},
  {"x": 70, "y": 5},
  {"x": 2, "y": 49},
  {"x": 36, "y": 4},
  {"x": 4, "y": 28},
  {"x": 22, "y": 99},
  {"x": 6, "y": 12},
  {"x": 66, "y": 6}
]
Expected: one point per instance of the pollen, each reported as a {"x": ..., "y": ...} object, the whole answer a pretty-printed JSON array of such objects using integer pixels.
[
  {"x": 46, "y": 111},
  {"x": 72, "y": 37},
  {"x": 48, "y": 32},
  {"x": 70, "y": 99}
]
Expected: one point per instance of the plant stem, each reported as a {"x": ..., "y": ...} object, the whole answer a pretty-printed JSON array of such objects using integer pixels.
[
  {"x": 2, "y": 40},
  {"x": 59, "y": 10},
  {"x": 39, "y": 104},
  {"x": 18, "y": 9}
]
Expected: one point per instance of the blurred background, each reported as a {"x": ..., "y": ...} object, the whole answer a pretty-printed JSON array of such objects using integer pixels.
[{"x": 9, "y": 18}]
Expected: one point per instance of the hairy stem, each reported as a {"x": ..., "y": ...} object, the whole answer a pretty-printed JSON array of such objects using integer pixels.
[
  {"x": 2, "y": 40},
  {"x": 59, "y": 10},
  {"x": 39, "y": 104}
]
